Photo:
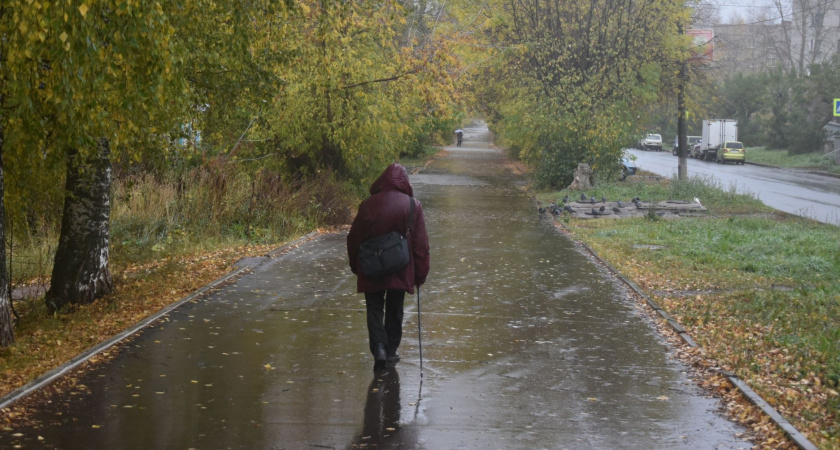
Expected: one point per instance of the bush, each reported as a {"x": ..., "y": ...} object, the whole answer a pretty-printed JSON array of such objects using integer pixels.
[
  {"x": 557, "y": 165},
  {"x": 221, "y": 203}
]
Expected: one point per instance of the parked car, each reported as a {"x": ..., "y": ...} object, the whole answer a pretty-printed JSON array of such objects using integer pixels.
[
  {"x": 628, "y": 167},
  {"x": 651, "y": 142},
  {"x": 694, "y": 150},
  {"x": 731, "y": 151},
  {"x": 716, "y": 133},
  {"x": 691, "y": 141}
]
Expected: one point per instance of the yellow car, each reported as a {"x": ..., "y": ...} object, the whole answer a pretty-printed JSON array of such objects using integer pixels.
[{"x": 731, "y": 151}]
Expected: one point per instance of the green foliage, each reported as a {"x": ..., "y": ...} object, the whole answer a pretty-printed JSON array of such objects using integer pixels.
[
  {"x": 300, "y": 89},
  {"x": 74, "y": 73},
  {"x": 575, "y": 76},
  {"x": 583, "y": 139},
  {"x": 428, "y": 133},
  {"x": 792, "y": 124},
  {"x": 232, "y": 61},
  {"x": 781, "y": 109},
  {"x": 81, "y": 71},
  {"x": 743, "y": 98},
  {"x": 360, "y": 87},
  {"x": 782, "y": 158}
]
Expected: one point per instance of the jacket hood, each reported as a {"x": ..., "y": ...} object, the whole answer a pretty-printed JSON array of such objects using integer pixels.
[{"x": 394, "y": 177}]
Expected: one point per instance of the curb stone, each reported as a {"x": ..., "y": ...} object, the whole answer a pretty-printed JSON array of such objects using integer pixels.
[
  {"x": 47, "y": 378},
  {"x": 825, "y": 174},
  {"x": 762, "y": 165},
  {"x": 812, "y": 172},
  {"x": 273, "y": 254},
  {"x": 795, "y": 435}
]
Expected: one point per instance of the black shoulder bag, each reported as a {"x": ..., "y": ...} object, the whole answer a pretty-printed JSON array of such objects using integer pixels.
[{"x": 386, "y": 254}]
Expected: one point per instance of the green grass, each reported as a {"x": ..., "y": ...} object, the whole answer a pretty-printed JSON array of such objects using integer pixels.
[
  {"x": 781, "y": 158},
  {"x": 759, "y": 291},
  {"x": 788, "y": 251}
]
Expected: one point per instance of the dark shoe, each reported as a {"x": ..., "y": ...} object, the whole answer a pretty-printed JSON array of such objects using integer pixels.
[
  {"x": 379, "y": 354},
  {"x": 393, "y": 359}
]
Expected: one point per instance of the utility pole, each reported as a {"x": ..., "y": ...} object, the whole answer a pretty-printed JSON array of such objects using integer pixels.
[{"x": 682, "y": 139}]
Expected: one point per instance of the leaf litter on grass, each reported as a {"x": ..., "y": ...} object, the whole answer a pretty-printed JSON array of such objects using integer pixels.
[{"x": 759, "y": 292}]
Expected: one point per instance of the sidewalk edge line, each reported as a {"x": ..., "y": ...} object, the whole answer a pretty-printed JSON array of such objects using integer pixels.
[
  {"x": 47, "y": 378},
  {"x": 795, "y": 435},
  {"x": 798, "y": 438},
  {"x": 279, "y": 250}
]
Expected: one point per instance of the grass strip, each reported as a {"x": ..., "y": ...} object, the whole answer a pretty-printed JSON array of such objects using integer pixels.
[
  {"x": 758, "y": 290},
  {"x": 781, "y": 158}
]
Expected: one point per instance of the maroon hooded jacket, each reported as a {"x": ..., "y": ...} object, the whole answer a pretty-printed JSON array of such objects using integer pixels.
[{"x": 384, "y": 211}]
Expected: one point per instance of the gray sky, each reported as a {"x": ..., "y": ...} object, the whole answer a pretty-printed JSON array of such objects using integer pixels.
[{"x": 744, "y": 8}]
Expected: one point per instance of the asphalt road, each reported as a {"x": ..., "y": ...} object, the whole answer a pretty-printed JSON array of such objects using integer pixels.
[{"x": 792, "y": 191}]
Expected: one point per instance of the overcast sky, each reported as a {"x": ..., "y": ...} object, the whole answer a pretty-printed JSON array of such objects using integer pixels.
[{"x": 743, "y": 8}]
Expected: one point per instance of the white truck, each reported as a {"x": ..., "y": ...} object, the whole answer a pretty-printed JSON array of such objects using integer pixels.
[{"x": 715, "y": 133}]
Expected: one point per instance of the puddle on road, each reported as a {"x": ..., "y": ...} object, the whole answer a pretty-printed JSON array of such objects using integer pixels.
[{"x": 526, "y": 344}]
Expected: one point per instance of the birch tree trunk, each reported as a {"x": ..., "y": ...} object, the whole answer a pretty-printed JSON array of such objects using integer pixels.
[
  {"x": 80, "y": 273},
  {"x": 7, "y": 332}
]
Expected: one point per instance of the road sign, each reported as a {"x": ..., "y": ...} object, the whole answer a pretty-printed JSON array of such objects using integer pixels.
[{"x": 837, "y": 107}]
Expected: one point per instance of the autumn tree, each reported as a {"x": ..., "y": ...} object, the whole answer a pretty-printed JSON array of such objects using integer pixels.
[
  {"x": 12, "y": 83},
  {"x": 577, "y": 73},
  {"x": 234, "y": 52},
  {"x": 90, "y": 76},
  {"x": 320, "y": 85},
  {"x": 361, "y": 80}
]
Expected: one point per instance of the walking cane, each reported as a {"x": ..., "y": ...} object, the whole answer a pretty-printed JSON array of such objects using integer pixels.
[
  {"x": 420, "y": 341},
  {"x": 419, "y": 332}
]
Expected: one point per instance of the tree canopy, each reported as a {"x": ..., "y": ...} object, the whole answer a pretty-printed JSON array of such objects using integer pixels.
[
  {"x": 576, "y": 75},
  {"x": 313, "y": 85}
]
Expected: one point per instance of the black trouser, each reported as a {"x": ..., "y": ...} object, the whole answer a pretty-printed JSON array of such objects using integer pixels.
[{"x": 385, "y": 327}]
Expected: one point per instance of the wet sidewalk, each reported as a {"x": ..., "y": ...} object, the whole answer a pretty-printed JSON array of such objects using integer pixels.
[{"x": 526, "y": 345}]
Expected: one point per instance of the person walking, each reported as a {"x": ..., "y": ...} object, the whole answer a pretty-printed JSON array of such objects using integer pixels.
[
  {"x": 459, "y": 137},
  {"x": 386, "y": 210}
]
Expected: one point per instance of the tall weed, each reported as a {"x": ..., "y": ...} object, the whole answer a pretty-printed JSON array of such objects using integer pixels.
[
  {"x": 220, "y": 204},
  {"x": 31, "y": 250}
]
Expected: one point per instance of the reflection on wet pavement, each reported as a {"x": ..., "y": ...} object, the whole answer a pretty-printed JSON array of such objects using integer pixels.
[{"x": 526, "y": 344}]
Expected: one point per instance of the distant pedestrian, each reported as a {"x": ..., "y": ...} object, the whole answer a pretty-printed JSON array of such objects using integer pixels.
[
  {"x": 386, "y": 210},
  {"x": 459, "y": 136}
]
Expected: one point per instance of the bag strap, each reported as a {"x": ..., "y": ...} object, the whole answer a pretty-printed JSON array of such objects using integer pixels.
[{"x": 410, "y": 215}]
